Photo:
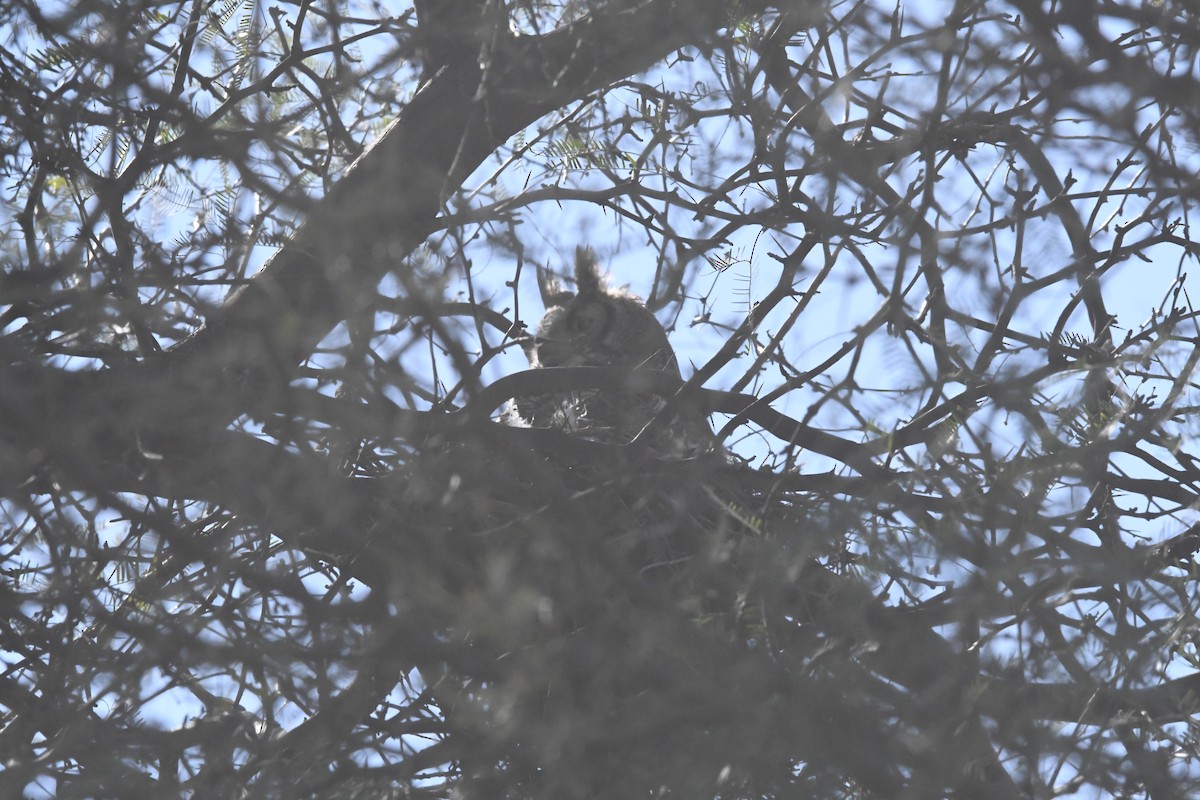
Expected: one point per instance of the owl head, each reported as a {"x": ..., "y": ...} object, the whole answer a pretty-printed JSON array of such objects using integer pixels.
[{"x": 597, "y": 326}]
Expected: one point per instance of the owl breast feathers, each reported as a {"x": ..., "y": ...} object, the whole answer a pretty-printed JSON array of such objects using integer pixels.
[{"x": 601, "y": 327}]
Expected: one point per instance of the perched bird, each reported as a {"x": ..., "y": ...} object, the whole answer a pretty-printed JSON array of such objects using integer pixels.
[{"x": 597, "y": 326}]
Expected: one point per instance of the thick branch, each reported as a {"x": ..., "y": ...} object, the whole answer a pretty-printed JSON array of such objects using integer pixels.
[
  {"x": 241, "y": 361},
  {"x": 388, "y": 202}
]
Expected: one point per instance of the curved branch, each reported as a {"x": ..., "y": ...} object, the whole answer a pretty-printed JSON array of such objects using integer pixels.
[
  {"x": 385, "y": 206},
  {"x": 559, "y": 379}
]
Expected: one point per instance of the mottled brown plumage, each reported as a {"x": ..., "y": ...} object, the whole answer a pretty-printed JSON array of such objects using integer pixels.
[{"x": 601, "y": 327}]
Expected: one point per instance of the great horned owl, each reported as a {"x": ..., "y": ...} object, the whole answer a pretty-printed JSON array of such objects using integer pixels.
[{"x": 597, "y": 326}]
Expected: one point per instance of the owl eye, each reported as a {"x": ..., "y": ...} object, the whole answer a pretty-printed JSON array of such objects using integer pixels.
[{"x": 590, "y": 319}]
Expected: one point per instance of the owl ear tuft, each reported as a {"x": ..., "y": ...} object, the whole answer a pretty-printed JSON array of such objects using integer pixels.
[
  {"x": 551, "y": 290},
  {"x": 587, "y": 271}
]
